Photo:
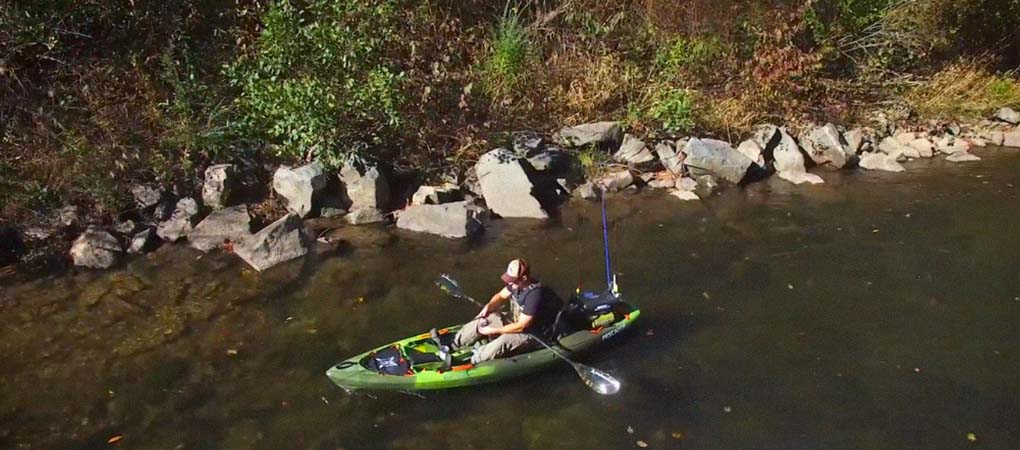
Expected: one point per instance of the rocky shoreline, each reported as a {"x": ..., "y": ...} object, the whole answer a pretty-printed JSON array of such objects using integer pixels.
[{"x": 532, "y": 178}]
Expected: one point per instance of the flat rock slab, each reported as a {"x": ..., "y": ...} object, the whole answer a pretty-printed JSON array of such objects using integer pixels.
[
  {"x": 222, "y": 226},
  {"x": 684, "y": 195},
  {"x": 279, "y": 242},
  {"x": 505, "y": 186},
  {"x": 450, "y": 220},
  {"x": 880, "y": 161},
  {"x": 962, "y": 157},
  {"x": 590, "y": 133}
]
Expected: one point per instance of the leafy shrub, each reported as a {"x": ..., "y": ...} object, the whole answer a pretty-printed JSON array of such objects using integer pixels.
[
  {"x": 695, "y": 54},
  {"x": 323, "y": 77},
  {"x": 674, "y": 109},
  {"x": 508, "y": 53}
]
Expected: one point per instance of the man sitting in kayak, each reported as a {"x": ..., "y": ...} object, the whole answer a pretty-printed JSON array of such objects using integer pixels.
[{"x": 533, "y": 312}]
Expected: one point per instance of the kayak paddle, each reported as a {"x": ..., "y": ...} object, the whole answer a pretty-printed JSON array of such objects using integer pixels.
[{"x": 597, "y": 380}]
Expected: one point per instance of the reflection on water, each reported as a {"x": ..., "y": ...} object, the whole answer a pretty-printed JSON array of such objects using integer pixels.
[{"x": 875, "y": 311}]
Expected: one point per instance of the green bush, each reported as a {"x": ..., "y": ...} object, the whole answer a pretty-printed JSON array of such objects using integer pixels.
[
  {"x": 695, "y": 54},
  {"x": 674, "y": 109},
  {"x": 324, "y": 76},
  {"x": 504, "y": 66}
]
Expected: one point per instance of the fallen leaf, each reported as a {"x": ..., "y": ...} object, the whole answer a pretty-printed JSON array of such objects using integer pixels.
[
  {"x": 115, "y": 439},
  {"x": 678, "y": 435},
  {"x": 630, "y": 430},
  {"x": 971, "y": 437},
  {"x": 642, "y": 444}
]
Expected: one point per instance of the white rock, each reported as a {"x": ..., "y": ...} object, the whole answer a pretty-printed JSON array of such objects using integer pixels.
[
  {"x": 825, "y": 146},
  {"x": 752, "y": 151},
  {"x": 365, "y": 185},
  {"x": 451, "y": 220},
  {"x": 950, "y": 145},
  {"x": 924, "y": 147},
  {"x": 715, "y": 157},
  {"x": 1011, "y": 139},
  {"x": 896, "y": 149},
  {"x": 1008, "y": 115},
  {"x": 181, "y": 221},
  {"x": 506, "y": 187},
  {"x": 671, "y": 160},
  {"x": 615, "y": 181},
  {"x": 218, "y": 186},
  {"x": 219, "y": 227},
  {"x": 880, "y": 161},
  {"x": 95, "y": 248},
  {"x": 684, "y": 195},
  {"x": 687, "y": 184},
  {"x": 299, "y": 187},
  {"x": 800, "y": 177},
  {"x": 634, "y": 152},
  {"x": 962, "y": 157}
]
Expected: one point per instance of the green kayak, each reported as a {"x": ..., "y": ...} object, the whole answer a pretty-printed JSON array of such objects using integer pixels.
[{"x": 413, "y": 363}]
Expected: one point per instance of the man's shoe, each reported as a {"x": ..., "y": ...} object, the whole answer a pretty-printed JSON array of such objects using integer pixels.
[{"x": 444, "y": 354}]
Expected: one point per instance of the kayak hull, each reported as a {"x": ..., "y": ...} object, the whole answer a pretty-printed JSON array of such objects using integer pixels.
[{"x": 351, "y": 374}]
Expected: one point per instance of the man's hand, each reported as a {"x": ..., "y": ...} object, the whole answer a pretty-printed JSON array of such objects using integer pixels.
[
  {"x": 488, "y": 331},
  {"x": 484, "y": 312}
]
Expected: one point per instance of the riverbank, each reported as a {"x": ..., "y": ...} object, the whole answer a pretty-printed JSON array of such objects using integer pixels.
[
  {"x": 269, "y": 217},
  {"x": 777, "y": 316}
]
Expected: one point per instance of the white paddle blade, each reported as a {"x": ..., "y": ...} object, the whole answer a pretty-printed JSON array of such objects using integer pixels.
[{"x": 599, "y": 381}]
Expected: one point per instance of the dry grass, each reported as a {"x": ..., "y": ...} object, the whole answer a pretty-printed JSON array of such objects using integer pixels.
[{"x": 964, "y": 91}]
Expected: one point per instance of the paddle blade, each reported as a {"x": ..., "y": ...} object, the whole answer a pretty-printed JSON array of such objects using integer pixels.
[
  {"x": 597, "y": 380},
  {"x": 450, "y": 286}
]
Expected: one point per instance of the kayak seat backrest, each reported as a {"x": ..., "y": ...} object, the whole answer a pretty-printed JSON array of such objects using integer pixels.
[
  {"x": 419, "y": 357},
  {"x": 389, "y": 361},
  {"x": 593, "y": 303}
]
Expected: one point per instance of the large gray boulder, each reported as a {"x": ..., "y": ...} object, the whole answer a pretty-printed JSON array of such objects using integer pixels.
[
  {"x": 785, "y": 155},
  {"x": 505, "y": 186},
  {"x": 880, "y": 161},
  {"x": 634, "y": 152},
  {"x": 711, "y": 156},
  {"x": 220, "y": 227},
  {"x": 365, "y": 184},
  {"x": 299, "y": 187},
  {"x": 825, "y": 146},
  {"x": 96, "y": 248},
  {"x": 1008, "y": 115},
  {"x": 672, "y": 160},
  {"x": 181, "y": 221},
  {"x": 364, "y": 216},
  {"x": 590, "y": 133},
  {"x": 281, "y": 241},
  {"x": 219, "y": 185},
  {"x": 451, "y": 220}
]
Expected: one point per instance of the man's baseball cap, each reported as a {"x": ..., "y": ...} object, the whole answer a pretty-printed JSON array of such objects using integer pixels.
[{"x": 515, "y": 271}]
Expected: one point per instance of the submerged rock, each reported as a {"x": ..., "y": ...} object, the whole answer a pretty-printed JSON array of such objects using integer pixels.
[
  {"x": 1008, "y": 115},
  {"x": 599, "y": 133},
  {"x": 505, "y": 186},
  {"x": 364, "y": 216},
  {"x": 962, "y": 157},
  {"x": 181, "y": 221},
  {"x": 219, "y": 185},
  {"x": 96, "y": 248},
  {"x": 684, "y": 195},
  {"x": 880, "y": 161},
  {"x": 281, "y": 241},
  {"x": 715, "y": 157},
  {"x": 587, "y": 191},
  {"x": 299, "y": 187},
  {"x": 451, "y": 220},
  {"x": 220, "y": 227}
]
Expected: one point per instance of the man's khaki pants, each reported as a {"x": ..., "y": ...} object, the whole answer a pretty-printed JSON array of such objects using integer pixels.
[{"x": 501, "y": 346}]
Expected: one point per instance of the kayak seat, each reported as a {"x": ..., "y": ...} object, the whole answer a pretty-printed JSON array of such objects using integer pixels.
[{"x": 419, "y": 357}]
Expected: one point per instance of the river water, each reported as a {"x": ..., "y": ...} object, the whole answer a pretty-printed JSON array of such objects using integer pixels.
[{"x": 876, "y": 311}]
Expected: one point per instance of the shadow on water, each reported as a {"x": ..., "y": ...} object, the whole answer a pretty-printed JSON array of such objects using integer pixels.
[{"x": 872, "y": 312}]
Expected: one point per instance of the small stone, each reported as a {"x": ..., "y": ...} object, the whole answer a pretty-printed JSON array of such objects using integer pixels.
[
  {"x": 1008, "y": 115},
  {"x": 962, "y": 157}
]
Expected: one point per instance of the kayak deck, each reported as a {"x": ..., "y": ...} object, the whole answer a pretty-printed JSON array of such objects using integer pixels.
[{"x": 425, "y": 370}]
